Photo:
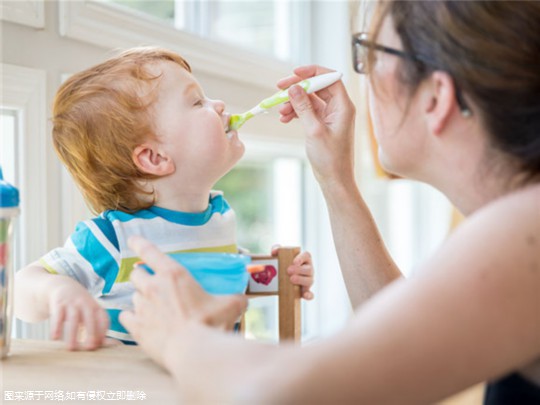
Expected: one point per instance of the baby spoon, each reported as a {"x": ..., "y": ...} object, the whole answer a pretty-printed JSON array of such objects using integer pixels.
[{"x": 310, "y": 85}]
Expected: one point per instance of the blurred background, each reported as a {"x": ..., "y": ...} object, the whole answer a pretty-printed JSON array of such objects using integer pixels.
[{"x": 238, "y": 50}]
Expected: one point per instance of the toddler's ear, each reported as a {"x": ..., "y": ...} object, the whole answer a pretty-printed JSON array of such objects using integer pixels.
[{"x": 150, "y": 160}]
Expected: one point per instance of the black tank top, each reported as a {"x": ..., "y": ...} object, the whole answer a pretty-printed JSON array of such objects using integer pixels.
[{"x": 512, "y": 389}]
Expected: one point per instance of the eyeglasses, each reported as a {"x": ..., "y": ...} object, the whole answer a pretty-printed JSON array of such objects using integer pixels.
[{"x": 361, "y": 46}]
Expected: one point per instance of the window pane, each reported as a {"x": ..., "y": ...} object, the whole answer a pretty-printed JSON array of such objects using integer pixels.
[
  {"x": 266, "y": 196},
  {"x": 260, "y": 26},
  {"x": 248, "y": 189},
  {"x": 7, "y": 140},
  {"x": 8, "y": 151},
  {"x": 247, "y": 24},
  {"x": 162, "y": 9}
]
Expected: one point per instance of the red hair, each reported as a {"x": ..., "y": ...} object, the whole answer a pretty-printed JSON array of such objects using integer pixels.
[{"x": 99, "y": 116}]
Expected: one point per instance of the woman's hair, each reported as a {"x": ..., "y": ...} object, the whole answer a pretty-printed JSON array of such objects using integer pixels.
[
  {"x": 99, "y": 116},
  {"x": 492, "y": 51}
]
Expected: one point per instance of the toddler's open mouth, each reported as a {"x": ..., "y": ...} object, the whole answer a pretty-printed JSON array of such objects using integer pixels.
[{"x": 226, "y": 123}]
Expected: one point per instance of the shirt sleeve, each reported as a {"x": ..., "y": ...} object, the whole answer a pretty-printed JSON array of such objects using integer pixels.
[{"x": 90, "y": 256}]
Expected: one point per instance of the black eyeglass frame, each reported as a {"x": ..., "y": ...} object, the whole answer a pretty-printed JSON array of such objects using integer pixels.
[{"x": 360, "y": 39}]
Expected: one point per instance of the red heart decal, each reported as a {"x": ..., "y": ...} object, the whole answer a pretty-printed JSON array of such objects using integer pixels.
[
  {"x": 3, "y": 254},
  {"x": 265, "y": 276}
]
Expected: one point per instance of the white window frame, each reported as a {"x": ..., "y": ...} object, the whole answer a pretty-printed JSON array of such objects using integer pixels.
[
  {"x": 25, "y": 12},
  {"x": 109, "y": 26},
  {"x": 24, "y": 91}
]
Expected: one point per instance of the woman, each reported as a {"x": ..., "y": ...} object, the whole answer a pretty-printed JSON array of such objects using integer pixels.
[{"x": 455, "y": 101}]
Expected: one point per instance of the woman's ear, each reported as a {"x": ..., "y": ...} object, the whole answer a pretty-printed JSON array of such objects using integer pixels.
[
  {"x": 442, "y": 103},
  {"x": 152, "y": 161}
]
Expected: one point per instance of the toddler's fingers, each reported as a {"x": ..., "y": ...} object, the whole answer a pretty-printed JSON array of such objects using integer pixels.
[
  {"x": 307, "y": 294},
  {"x": 302, "y": 258},
  {"x": 302, "y": 280},
  {"x": 303, "y": 270},
  {"x": 110, "y": 342},
  {"x": 57, "y": 322},
  {"x": 103, "y": 326},
  {"x": 71, "y": 328},
  {"x": 89, "y": 320}
]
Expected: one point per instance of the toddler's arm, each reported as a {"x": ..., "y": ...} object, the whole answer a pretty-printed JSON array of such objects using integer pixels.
[{"x": 40, "y": 295}]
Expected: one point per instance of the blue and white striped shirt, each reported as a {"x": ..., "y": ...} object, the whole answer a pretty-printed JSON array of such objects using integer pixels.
[{"x": 97, "y": 256}]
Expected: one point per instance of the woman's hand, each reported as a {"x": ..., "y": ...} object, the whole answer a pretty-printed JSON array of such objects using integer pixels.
[
  {"x": 167, "y": 303},
  {"x": 301, "y": 272},
  {"x": 328, "y": 118},
  {"x": 76, "y": 316}
]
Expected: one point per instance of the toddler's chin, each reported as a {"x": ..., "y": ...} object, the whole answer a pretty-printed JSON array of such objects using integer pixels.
[{"x": 232, "y": 134}]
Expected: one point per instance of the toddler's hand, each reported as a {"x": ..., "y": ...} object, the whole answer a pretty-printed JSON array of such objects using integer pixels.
[
  {"x": 301, "y": 272},
  {"x": 77, "y": 317}
]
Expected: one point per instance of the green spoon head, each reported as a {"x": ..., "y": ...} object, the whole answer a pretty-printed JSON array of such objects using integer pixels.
[{"x": 237, "y": 120}]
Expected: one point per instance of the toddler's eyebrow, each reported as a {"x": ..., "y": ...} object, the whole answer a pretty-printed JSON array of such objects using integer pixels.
[{"x": 189, "y": 88}]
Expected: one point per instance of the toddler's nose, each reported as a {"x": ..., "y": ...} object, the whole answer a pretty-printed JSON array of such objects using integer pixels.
[{"x": 219, "y": 106}]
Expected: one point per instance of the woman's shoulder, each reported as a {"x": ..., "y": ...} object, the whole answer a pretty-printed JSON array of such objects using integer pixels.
[
  {"x": 526, "y": 199},
  {"x": 517, "y": 213},
  {"x": 502, "y": 238}
]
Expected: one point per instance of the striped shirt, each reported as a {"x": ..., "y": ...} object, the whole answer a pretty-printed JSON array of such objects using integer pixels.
[{"x": 97, "y": 256}]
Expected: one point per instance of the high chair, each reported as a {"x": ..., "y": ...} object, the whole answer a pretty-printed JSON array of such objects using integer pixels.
[{"x": 269, "y": 278}]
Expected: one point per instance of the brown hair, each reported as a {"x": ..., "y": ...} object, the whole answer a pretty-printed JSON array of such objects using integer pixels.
[
  {"x": 99, "y": 116},
  {"x": 492, "y": 51}
]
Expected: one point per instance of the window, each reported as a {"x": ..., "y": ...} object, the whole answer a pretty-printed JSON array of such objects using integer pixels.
[
  {"x": 8, "y": 122},
  {"x": 267, "y": 197},
  {"x": 261, "y": 26},
  {"x": 22, "y": 140},
  {"x": 266, "y": 194}
]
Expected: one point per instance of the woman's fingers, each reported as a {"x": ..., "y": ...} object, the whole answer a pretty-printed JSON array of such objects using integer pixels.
[
  {"x": 130, "y": 322},
  {"x": 301, "y": 73},
  {"x": 288, "y": 81},
  {"x": 304, "y": 108},
  {"x": 285, "y": 109},
  {"x": 311, "y": 70},
  {"x": 226, "y": 311},
  {"x": 141, "y": 279}
]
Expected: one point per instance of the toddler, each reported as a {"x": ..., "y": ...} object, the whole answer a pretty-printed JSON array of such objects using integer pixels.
[{"x": 145, "y": 146}]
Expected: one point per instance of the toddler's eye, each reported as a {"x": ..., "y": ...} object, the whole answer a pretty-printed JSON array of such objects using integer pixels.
[{"x": 198, "y": 103}]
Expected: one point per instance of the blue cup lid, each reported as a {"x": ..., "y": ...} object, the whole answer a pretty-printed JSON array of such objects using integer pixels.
[{"x": 9, "y": 195}]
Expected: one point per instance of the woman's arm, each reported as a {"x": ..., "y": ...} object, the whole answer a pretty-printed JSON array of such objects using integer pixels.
[
  {"x": 472, "y": 314},
  {"x": 328, "y": 119},
  {"x": 365, "y": 263}
]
